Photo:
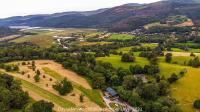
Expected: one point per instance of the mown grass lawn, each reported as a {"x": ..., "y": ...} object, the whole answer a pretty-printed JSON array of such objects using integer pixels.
[
  {"x": 121, "y": 37},
  {"x": 93, "y": 95},
  {"x": 115, "y": 60}
]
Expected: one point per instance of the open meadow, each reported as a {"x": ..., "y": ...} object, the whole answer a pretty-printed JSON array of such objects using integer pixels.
[
  {"x": 115, "y": 60},
  {"x": 45, "y": 37},
  {"x": 51, "y": 72}
]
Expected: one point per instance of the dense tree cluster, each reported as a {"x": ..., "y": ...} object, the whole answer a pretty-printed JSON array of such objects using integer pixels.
[
  {"x": 147, "y": 69},
  {"x": 40, "y": 106},
  {"x": 64, "y": 87},
  {"x": 11, "y": 95}
]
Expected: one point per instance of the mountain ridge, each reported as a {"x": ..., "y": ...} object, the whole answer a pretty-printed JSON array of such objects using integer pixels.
[{"x": 126, "y": 17}]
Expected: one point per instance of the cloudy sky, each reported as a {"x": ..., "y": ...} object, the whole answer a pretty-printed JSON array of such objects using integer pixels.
[{"x": 27, "y": 7}]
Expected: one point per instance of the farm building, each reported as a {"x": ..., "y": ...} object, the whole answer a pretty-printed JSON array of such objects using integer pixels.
[{"x": 111, "y": 92}]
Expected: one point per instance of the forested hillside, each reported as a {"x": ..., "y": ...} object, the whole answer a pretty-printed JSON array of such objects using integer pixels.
[{"x": 121, "y": 18}]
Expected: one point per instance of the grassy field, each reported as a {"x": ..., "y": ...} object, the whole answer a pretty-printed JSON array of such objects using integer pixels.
[
  {"x": 52, "y": 73},
  {"x": 180, "y": 60},
  {"x": 94, "y": 43},
  {"x": 188, "y": 44},
  {"x": 124, "y": 49},
  {"x": 44, "y": 37},
  {"x": 127, "y": 49},
  {"x": 150, "y": 25},
  {"x": 93, "y": 95},
  {"x": 121, "y": 37},
  {"x": 168, "y": 69},
  {"x": 186, "y": 89},
  {"x": 151, "y": 45},
  {"x": 48, "y": 95},
  {"x": 189, "y": 50},
  {"x": 115, "y": 60}
]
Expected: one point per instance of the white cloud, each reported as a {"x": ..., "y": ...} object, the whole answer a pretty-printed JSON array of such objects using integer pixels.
[{"x": 27, "y": 7}]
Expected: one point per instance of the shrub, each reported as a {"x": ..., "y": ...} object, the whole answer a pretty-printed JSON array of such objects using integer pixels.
[
  {"x": 196, "y": 104},
  {"x": 81, "y": 98},
  {"x": 127, "y": 58},
  {"x": 168, "y": 57},
  {"x": 37, "y": 78},
  {"x": 173, "y": 78}
]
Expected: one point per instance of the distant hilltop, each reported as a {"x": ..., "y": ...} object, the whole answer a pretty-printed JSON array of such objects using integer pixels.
[{"x": 121, "y": 18}]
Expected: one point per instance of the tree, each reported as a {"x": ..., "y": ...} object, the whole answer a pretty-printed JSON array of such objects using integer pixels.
[
  {"x": 168, "y": 57},
  {"x": 173, "y": 78},
  {"x": 15, "y": 68},
  {"x": 121, "y": 72},
  {"x": 151, "y": 69},
  {"x": 63, "y": 87},
  {"x": 127, "y": 58},
  {"x": 163, "y": 87},
  {"x": 129, "y": 82},
  {"x": 98, "y": 81},
  {"x": 192, "y": 54},
  {"x": 33, "y": 63},
  {"x": 81, "y": 97},
  {"x": 23, "y": 63},
  {"x": 42, "y": 106},
  {"x": 38, "y": 72},
  {"x": 135, "y": 99},
  {"x": 149, "y": 91},
  {"x": 37, "y": 78},
  {"x": 196, "y": 104},
  {"x": 137, "y": 69}
]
